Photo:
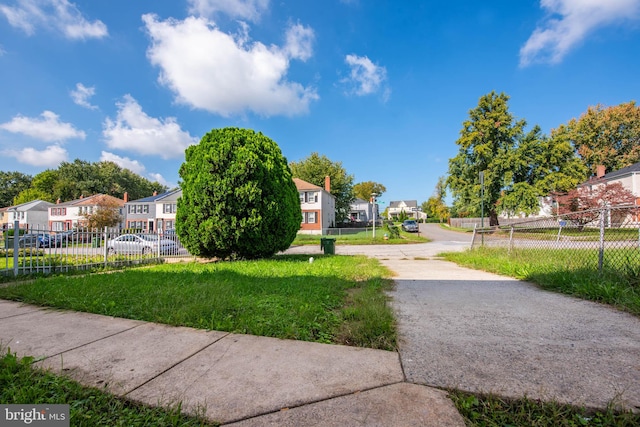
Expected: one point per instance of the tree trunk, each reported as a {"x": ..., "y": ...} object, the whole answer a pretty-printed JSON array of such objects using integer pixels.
[{"x": 493, "y": 219}]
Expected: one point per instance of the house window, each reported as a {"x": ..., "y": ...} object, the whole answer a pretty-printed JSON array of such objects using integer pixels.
[
  {"x": 309, "y": 217},
  {"x": 309, "y": 197},
  {"x": 137, "y": 225},
  {"x": 169, "y": 208},
  {"x": 58, "y": 211}
]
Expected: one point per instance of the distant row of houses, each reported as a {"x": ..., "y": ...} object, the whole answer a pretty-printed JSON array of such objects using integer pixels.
[{"x": 156, "y": 213}]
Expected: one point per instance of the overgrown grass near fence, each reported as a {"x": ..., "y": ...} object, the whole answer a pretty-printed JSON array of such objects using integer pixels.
[{"x": 562, "y": 271}]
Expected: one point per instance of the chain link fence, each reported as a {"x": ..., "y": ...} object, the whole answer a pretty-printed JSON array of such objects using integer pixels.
[{"x": 603, "y": 239}]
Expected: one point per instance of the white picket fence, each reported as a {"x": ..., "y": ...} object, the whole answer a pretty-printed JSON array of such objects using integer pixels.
[{"x": 45, "y": 251}]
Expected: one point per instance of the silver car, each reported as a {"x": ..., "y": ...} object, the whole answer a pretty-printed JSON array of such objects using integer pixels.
[
  {"x": 410, "y": 226},
  {"x": 141, "y": 244}
]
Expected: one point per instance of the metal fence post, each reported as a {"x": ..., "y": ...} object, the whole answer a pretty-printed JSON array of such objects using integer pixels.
[
  {"x": 158, "y": 236},
  {"x": 473, "y": 238},
  {"x": 105, "y": 250},
  {"x": 510, "y": 240},
  {"x": 601, "y": 250},
  {"x": 16, "y": 245}
]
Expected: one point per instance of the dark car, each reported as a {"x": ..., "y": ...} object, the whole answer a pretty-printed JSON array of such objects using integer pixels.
[
  {"x": 39, "y": 240},
  {"x": 410, "y": 226}
]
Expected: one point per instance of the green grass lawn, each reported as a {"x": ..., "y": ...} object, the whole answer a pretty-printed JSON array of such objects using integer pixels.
[
  {"x": 20, "y": 383},
  {"x": 562, "y": 271},
  {"x": 335, "y": 299},
  {"x": 362, "y": 238}
]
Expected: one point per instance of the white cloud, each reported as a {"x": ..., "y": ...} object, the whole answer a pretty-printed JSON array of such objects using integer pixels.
[
  {"x": 51, "y": 156},
  {"x": 81, "y": 96},
  {"x": 59, "y": 15},
  {"x": 124, "y": 162},
  {"x": 365, "y": 76},
  {"x": 299, "y": 42},
  {"x": 159, "y": 178},
  {"x": 48, "y": 128},
  {"x": 133, "y": 130},
  {"x": 135, "y": 167},
  {"x": 211, "y": 70},
  {"x": 242, "y": 9},
  {"x": 568, "y": 23}
]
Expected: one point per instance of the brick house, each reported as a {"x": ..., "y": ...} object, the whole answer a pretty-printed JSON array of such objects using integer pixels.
[{"x": 318, "y": 206}]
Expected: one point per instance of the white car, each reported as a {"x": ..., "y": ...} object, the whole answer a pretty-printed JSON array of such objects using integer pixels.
[{"x": 141, "y": 244}]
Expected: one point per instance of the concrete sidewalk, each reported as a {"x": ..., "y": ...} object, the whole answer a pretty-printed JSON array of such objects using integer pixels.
[{"x": 235, "y": 379}]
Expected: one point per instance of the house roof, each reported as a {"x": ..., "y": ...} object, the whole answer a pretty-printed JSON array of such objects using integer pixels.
[
  {"x": 155, "y": 197},
  {"x": 304, "y": 185},
  {"x": 403, "y": 203},
  {"x": 90, "y": 200},
  {"x": 34, "y": 204},
  {"x": 621, "y": 172}
]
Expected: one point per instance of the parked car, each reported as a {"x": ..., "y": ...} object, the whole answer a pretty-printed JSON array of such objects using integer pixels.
[
  {"x": 140, "y": 244},
  {"x": 31, "y": 240},
  {"x": 410, "y": 225},
  {"x": 74, "y": 236},
  {"x": 39, "y": 240}
]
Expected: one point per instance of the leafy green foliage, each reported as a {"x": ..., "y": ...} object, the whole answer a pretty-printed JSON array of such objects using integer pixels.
[
  {"x": 31, "y": 194},
  {"x": 364, "y": 190},
  {"x": 435, "y": 206},
  {"x": 607, "y": 136},
  {"x": 518, "y": 168},
  {"x": 238, "y": 197},
  {"x": 12, "y": 184},
  {"x": 315, "y": 168}
]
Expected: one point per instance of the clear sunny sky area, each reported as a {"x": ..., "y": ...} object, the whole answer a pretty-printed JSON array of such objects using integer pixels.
[{"x": 381, "y": 86}]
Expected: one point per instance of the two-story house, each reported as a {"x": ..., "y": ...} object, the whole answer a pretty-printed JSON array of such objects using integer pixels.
[
  {"x": 156, "y": 213},
  {"x": 32, "y": 215},
  {"x": 409, "y": 207},
  {"x": 361, "y": 211},
  {"x": 73, "y": 214},
  {"x": 318, "y": 206}
]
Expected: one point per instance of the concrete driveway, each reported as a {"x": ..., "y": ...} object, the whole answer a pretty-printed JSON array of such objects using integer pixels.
[{"x": 480, "y": 332}]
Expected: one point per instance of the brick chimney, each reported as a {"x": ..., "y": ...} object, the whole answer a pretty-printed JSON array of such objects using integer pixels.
[
  {"x": 327, "y": 184},
  {"x": 155, "y": 193},
  {"x": 600, "y": 171},
  {"x": 126, "y": 197},
  {"x": 58, "y": 201}
]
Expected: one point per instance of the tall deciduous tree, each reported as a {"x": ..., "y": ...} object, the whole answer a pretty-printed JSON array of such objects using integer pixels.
[
  {"x": 31, "y": 194},
  {"x": 12, "y": 184},
  {"x": 518, "y": 167},
  {"x": 364, "y": 190},
  {"x": 435, "y": 206},
  {"x": 315, "y": 168},
  {"x": 539, "y": 165},
  {"x": 486, "y": 142},
  {"x": 608, "y": 136},
  {"x": 238, "y": 197}
]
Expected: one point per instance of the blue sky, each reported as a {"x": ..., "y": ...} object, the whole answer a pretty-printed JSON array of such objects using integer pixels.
[{"x": 381, "y": 86}]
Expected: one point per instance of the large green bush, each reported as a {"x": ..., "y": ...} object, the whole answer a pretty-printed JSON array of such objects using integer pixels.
[{"x": 238, "y": 197}]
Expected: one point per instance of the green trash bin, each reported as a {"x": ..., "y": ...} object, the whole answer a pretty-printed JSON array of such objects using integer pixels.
[
  {"x": 96, "y": 242},
  {"x": 328, "y": 245}
]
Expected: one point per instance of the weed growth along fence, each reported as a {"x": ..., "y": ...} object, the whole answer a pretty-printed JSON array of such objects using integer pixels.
[{"x": 602, "y": 240}]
